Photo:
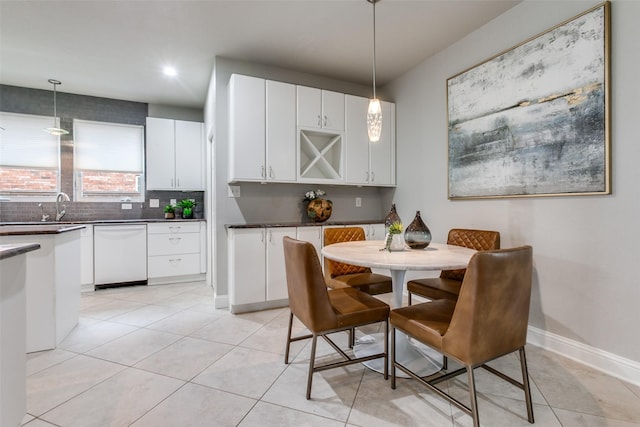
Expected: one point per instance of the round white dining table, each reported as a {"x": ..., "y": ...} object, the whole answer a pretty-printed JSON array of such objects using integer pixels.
[{"x": 368, "y": 253}]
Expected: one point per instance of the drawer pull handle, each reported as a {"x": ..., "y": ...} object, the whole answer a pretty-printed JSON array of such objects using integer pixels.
[
  {"x": 172, "y": 239},
  {"x": 174, "y": 229},
  {"x": 175, "y": 260}
]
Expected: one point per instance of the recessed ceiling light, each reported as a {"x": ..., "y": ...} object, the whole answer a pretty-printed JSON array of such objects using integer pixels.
[{"x": 170, "y": 71}]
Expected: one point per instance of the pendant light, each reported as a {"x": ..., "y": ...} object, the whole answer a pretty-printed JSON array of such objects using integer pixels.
[
  {"x": 55, "y": 130},
  {"x": 374, "y": 113}
]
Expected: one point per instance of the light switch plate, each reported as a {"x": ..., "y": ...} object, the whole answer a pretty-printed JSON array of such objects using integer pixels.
[
  {"x": 358, "y": 202},
  {"x": 154, "y": 203},
  {"x": 172, "y": 202}
]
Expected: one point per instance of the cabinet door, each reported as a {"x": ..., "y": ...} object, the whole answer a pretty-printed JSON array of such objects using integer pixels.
[
  {"x": 276, "y": 276},
  {"x": 311, "y": 234},
  {"x": 357, "y": 140},
  {"x": 333, "y": 110},
  {"x": 247, "y": 115},
  {"x": 160, "y": 154},
  {"x": 189, "y": 140},
  {"x": 382, "y": 153},
  {"x": 247, "y": 247},
  {"x": 309, "y": 107},
  {"x": 86, "y": 255},
  {"x": 281, "y": 131},
  {"x": 376, "y": 232}
]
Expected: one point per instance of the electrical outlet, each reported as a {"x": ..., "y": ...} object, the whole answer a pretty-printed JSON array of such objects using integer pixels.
[
  {"x": 126, "y": 206},
  {"x": 358, "y": 202},
  {"x": 172, "y": 202},
  {"x": 234, "y": 191},
  {"x": 154, "y": 203}
]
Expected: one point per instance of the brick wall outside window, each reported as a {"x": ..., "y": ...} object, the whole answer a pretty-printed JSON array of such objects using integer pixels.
[{"x": 28, "y": 180}]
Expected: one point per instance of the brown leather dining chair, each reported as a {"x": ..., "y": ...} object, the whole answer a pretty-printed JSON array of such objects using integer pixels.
[
  {"x": 325, "y": 311},
  {"x": 448, "y": 284},
  {"x": 340, "y": 275},
  {"x": 488, "y": 321}
]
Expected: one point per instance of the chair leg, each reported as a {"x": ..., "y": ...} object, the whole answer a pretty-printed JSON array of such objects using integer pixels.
[
  {"x": 352, "y": 337},
  {"x": 386, "y": 349},
  {"x": 393, "y": 358},
  {"x": 445, "y": 363},
  {"x": 286, "y": 352},
  {"x": 525, "y": 383},
  {"x": 409, "y": 297},
  {"x": 312, "y": 358},
  {"x": 473, "y": 397}
]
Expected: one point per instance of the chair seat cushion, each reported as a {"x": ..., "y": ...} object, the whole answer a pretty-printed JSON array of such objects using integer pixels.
[
  {"x": 427, "y": 322},
  {"x": 435, "y": 288},
  {"x": 370, "y": 283},
  {"x": 353, "y": 307}
]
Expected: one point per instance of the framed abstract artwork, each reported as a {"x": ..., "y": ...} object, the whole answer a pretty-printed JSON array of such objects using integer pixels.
[{"x": 535, "y": 120}]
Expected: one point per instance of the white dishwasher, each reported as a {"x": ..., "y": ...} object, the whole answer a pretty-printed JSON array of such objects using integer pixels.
[{"x": 120, "y": 254}]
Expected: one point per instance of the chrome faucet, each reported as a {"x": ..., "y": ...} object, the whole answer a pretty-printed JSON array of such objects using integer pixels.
[
  {"x": 45, "y": 216},
  {"x": 61, "y": 197}
]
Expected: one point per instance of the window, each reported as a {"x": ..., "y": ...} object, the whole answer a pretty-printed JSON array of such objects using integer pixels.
[
  {"x": 29, "y": 157},
  {"x": 108, "y": 161}
]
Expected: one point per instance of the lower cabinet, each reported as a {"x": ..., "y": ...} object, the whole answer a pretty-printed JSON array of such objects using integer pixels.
[
  {"x": 257, "y": 278},
  {"x": 256, "y": 268},
  {"x": 174, "y": 250}
]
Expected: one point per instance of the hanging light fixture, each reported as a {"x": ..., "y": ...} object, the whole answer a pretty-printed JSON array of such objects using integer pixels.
[
  {"x": 374, "y": 113},
  {"x": 55, "y": 130}
]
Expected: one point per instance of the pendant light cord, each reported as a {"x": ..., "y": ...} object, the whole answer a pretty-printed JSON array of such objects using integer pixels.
[{"x": 374, "y": 48}]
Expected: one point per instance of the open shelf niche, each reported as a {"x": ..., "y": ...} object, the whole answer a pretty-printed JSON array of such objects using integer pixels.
[{"x": 321, "y": 155}]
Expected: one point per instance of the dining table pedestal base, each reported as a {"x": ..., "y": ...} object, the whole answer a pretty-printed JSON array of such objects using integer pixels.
[{"x": 416, "y": 356}]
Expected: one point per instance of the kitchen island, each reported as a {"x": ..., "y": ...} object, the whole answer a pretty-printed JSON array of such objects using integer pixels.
[
  {"x": 13, "y": 370},
  {"x": 52, "y": 281}
]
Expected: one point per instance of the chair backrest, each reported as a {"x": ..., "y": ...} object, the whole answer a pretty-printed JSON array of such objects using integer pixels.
[
  {"x": 308, "y": 298},
  {"x": 344, "y": 234},
  {"x": 480, "y": 240},
  {"x": 492, "y": 312}
]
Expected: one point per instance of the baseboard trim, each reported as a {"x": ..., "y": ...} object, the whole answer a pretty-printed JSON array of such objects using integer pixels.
[{"x": 609, "y": 363}]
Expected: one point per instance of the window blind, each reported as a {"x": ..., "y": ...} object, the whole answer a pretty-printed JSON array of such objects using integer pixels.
[
  {"x": 24, "y": 144},
  {"x": 101, "y": 146}
]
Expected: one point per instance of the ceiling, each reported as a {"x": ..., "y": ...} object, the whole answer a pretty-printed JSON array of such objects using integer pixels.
[{"x": 117, "y": 49}]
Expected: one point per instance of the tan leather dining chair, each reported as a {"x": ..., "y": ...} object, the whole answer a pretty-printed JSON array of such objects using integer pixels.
[
  {"x": 340, "y": 275},
  {"x": 488, "y": 321},
  {"x": 325, "y": 311},
  {"x": 448, "y": 284}
]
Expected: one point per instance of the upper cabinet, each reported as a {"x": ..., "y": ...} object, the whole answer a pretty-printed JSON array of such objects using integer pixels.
[
  {"x": 320, "y": 109},
  {"x": 279, "y": 132},
  {"x": 369, "y": 163},
  {"x": 175, "y": 154},
  {"x": 262, "y": 127}
]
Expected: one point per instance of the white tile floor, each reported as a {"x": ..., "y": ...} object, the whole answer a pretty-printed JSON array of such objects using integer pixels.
[{"x": 163, "y": 356}]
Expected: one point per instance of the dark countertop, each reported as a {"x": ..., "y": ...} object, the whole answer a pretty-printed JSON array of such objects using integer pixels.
[
  {"x": 100, "y": 221},
  {"x": 302, "y": 224},
  {"x": 8, "y": 251},
  {"x": 28, "y": 230}
]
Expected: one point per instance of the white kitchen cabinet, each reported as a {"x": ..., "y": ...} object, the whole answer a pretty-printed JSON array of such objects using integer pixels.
[
  {"x": 174, "y": 250},
  {"x": 369, "y": 163},
  {"x": 320, "y": 109},
  {"x": 311, "y": 234},
  {"x": 175, "y": 154},
  {"x": 262, "y": 128},
  {"x": 86, "y": 258},
  {"x": 263, "y": 284},
  {"x": 120, "y": 253}
]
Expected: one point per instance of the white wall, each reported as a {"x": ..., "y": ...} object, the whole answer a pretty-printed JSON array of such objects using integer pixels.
[{"x": 585, "y": 248}]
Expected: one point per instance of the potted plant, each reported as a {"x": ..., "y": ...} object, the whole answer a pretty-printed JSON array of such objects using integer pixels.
[
  {"x": 187, "y": 206},
  {"x": 169, "y": 212},
  {"x": 318, "y": 209}
]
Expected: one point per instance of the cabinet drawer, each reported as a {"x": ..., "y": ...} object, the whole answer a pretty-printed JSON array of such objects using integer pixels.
[
  {"x": 173, "y": 265},
  {"x": 171, "y": 244},
  {"x": 173, "y": 228}
]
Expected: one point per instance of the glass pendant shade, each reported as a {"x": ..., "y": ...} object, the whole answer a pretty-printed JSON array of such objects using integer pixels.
[{"x": 374, "y": 120}]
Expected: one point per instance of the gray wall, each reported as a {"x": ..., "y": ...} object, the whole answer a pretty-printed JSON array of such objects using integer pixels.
[
  {"x": 585, "y": 248},
  {"x": 270, "y": 202}
]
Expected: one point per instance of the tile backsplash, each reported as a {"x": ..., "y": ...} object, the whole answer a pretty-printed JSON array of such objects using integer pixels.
[{"x": 95, "y": 211}]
